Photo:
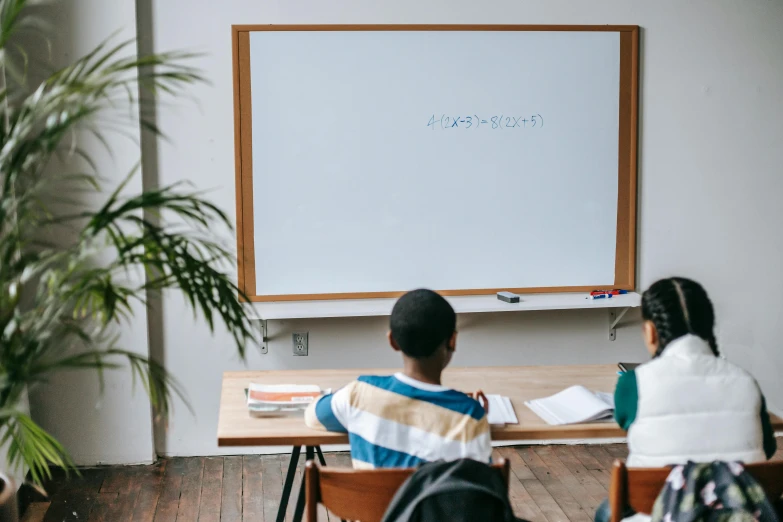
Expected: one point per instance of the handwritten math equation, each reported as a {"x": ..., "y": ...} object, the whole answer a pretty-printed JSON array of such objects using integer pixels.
[{"x": 503, "y": 121}]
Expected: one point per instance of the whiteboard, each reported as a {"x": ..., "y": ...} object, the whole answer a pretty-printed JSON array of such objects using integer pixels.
[{"x": 389, "y": 160}]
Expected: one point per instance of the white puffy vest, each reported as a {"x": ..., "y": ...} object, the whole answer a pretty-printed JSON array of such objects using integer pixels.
[{"x": 694, "y": 406}]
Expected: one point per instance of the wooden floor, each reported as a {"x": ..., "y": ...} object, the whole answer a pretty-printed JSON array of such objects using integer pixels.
[{"x": 548, "y": 484}]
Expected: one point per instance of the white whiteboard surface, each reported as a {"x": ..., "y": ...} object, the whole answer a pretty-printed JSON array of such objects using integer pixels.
[{"x": 353, "y": 191}]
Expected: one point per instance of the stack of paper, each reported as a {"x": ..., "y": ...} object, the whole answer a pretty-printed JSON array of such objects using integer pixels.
[
  {"x": 573, "y": 405},
  {"x": 501, "y": 411},
  {"x": 280, "y": 399}
]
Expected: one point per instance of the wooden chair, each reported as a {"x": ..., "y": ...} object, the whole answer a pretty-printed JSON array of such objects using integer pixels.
[
  {"x": 638, "y": 488},
  {"x": 357, "y": 494}
]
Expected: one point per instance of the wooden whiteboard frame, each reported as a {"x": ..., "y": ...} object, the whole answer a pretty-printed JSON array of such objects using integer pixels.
[{"x": 625, "y": 257}]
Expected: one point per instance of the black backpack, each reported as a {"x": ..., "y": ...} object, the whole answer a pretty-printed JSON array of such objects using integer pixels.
[{"x": 455, "y": 491}]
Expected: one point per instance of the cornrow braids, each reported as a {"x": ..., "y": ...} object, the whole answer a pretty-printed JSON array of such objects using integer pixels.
[{"x": 678, "y": 306}]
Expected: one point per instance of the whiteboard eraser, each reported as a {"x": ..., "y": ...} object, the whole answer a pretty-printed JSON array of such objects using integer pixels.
[{"x": 508, "y": 297}]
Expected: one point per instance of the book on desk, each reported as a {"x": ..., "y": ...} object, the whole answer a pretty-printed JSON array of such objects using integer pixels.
[
  {"x": 275, "y": 400},
  {"x": 574, "y": 405},
  {"x": 501, "y": 411}
]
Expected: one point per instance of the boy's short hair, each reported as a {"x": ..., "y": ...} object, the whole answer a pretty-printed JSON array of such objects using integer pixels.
[{"x": 421, "y": 321}]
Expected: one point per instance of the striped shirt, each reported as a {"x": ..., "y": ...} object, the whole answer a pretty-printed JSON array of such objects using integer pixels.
[{"x": 399, "y": 422}]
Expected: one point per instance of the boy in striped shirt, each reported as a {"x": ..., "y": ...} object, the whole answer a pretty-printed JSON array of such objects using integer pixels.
[{"x": 409, "y": 418}]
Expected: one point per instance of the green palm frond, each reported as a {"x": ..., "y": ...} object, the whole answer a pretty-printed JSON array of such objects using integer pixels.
[
  {"x": 31, "y": 445},
  {"x": 71, "y": 272}
]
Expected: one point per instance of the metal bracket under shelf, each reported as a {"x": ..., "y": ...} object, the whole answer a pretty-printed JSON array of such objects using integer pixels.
[
  {"x": 264, "y": 339},
  {"x": 614, "y": 318}
]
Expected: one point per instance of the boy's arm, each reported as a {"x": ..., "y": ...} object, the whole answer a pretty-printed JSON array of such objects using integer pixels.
[
  {"x": 482, "y": 443},
  {"x": 487, "y": 456},
  {"x": 330, "y": 412}
]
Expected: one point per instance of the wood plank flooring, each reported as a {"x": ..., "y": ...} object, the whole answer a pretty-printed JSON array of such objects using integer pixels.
[{"x": 548, "y": 484}]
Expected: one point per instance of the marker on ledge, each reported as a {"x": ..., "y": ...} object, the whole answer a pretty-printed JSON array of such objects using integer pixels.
[
  {"x": 599, "y": 296},
  {"x": 508, "y": 297},
  {"x": 611, "y": 292}
]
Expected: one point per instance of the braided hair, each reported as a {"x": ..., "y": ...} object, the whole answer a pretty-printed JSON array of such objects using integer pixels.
[{"x": 678, "y": 306}]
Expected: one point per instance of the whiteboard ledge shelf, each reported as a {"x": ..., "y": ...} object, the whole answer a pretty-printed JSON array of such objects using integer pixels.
[{"x": 468, "y": 304}]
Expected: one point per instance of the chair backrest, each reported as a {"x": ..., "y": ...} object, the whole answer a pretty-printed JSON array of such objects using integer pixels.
[
  {"x": 638, "y": 488},
  {"x": 360, "y": 494}
]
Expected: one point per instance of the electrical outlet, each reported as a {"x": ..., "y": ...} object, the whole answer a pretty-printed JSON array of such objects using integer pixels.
[{"x": 300, "y": 343}]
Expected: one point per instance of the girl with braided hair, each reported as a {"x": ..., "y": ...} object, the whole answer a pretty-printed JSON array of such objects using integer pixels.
[{"x": 687, "y": 403}]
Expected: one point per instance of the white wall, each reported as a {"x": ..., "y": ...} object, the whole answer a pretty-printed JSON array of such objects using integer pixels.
[
  {"x": 115, "y": 427},
  {"x": 710, "y": 185}
]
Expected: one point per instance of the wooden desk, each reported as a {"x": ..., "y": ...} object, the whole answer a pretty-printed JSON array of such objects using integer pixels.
[
  {"x": 237, "y": 428},
  {"x": 521, "y": 383}
]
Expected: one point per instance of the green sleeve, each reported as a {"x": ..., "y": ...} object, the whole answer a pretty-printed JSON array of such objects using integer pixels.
[
  {"x": 626, "y": 400},
  {"x": 770, "y": 445}
]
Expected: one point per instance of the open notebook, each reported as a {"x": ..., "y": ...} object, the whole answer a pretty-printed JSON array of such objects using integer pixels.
[{"x": 573, "y": 405}]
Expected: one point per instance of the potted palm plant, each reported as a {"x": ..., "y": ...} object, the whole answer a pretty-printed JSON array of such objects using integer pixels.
[
  {"x": 7, "y": 499},
  {"x": 70, "y": 272}
]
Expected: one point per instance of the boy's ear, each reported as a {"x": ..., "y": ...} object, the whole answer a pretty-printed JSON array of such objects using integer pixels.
[
  {"x": 392, "y": 342},
  {"x": 452, "y": 343}
]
